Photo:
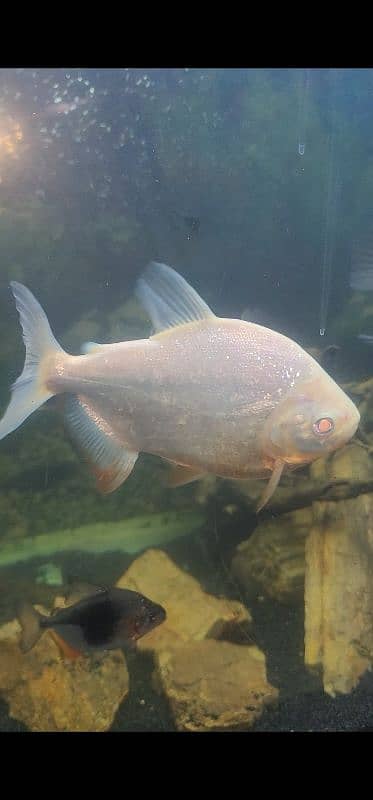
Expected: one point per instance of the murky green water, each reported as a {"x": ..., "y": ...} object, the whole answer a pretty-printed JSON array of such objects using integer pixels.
[{"x": 256, "y": 186}]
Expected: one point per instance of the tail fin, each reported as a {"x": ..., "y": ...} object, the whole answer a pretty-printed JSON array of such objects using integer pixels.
[
  {"x": 29, "y": 620},
  {"x": 29, "y": 391}
]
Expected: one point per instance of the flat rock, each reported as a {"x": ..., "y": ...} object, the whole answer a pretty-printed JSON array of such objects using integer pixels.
[
  {"x": 210, "y": 684},
  {"x": 213, "y": 685},
  {"x": 339, "y": 593},
  {"x": 49, "y": 693},
  {"x": 192, "y": 614}
]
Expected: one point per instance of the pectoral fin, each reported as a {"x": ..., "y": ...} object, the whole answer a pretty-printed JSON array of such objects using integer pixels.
[
  {"x": 180, "y": 476},
  {"x": 271, "y": 485}
]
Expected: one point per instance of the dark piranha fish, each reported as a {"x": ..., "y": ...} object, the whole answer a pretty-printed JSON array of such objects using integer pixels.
[
  {"x": 103, "y": 619},
  {"x": 211, "y": 395}
]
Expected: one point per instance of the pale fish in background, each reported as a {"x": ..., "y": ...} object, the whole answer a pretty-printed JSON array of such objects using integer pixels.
[
  {"x": 361, "y": 275},
  {"x": 210, "y": 395}
]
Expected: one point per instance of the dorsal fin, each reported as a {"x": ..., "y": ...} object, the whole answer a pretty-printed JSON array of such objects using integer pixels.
[
  {"x": 168, "y": 298},
  {"x": 77, "y": 590}
]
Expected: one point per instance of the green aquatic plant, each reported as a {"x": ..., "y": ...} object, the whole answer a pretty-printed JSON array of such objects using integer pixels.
[
  {"x": 354, "y": 318},
  {"x": 49, "y": 574},
  {"x": 127, "y": 536}
]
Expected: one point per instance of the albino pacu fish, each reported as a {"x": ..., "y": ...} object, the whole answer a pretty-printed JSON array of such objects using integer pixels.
[{"x": 210, "y": 395}]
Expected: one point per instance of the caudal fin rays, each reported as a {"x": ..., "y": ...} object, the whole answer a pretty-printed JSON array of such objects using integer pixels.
[
  {"x": 29, "y": 620},
  {"x": 29, "y": 391}
]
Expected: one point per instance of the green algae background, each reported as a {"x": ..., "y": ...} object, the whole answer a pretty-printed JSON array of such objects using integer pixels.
[{"x": 78, "y": 228}]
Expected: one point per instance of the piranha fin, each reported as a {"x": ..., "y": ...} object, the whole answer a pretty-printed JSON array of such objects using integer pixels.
[
  {"x": 168, "y": 298},
  {"x": 65, "y": 649},
  {"x": 29, "y": 620},
  {"x": 30, "y": 391},
  {"x": 93, "y": 347},
  {"x": 77, "y": 590},
  {"x": 180, "y": 476},
  {"x": 271, "y": 485},
  {"x": 108, "y": 459}
]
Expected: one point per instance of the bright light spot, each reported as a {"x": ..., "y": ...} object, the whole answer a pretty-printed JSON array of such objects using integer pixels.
[{"x": 10, "y": 137}]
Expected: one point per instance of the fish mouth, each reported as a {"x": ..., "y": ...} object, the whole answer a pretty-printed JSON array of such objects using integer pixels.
[
  {"x": 154, "y": 618},
  {"x": 158, "y": 617}
]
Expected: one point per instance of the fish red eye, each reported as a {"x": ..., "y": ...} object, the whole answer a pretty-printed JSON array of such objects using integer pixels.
[{"x": 323, "y": 426}]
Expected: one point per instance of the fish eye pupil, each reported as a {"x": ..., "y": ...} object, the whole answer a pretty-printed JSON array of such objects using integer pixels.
[{"x": 323, "y": 426}]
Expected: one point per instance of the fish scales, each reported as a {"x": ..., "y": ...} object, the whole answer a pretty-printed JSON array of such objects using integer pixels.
[
  {"x": 211, "y": 395},
  {"x": 195, "y": 394}
]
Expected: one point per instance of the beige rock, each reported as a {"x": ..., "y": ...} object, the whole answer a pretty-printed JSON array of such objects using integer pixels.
[
  {"x": 338, "y": 577},
  {"x": 339, "y": 592},
  {"x": 48, "y": 693},
  {"x": 210, "y": 684},
  {"x": 192, "y": 614},
  {"x": 214, "y": 685},
  {"x": 128, "y": 321},
  {"x": 273, "y": 559},
  {"x": 330, "y": 542}
]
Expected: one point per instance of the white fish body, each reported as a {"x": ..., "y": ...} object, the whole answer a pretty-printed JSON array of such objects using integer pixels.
[{"x": 211, "y": 395}]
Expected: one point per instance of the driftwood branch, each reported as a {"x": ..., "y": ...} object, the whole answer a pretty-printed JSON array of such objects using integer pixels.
[{"x": 292, "y": 499}]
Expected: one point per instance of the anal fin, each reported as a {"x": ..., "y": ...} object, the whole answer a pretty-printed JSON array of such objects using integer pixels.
[
  {"x": 110, "y": 462},
  {"x": 66, "y": 650},
  {"x": 180, "y": 476}
]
